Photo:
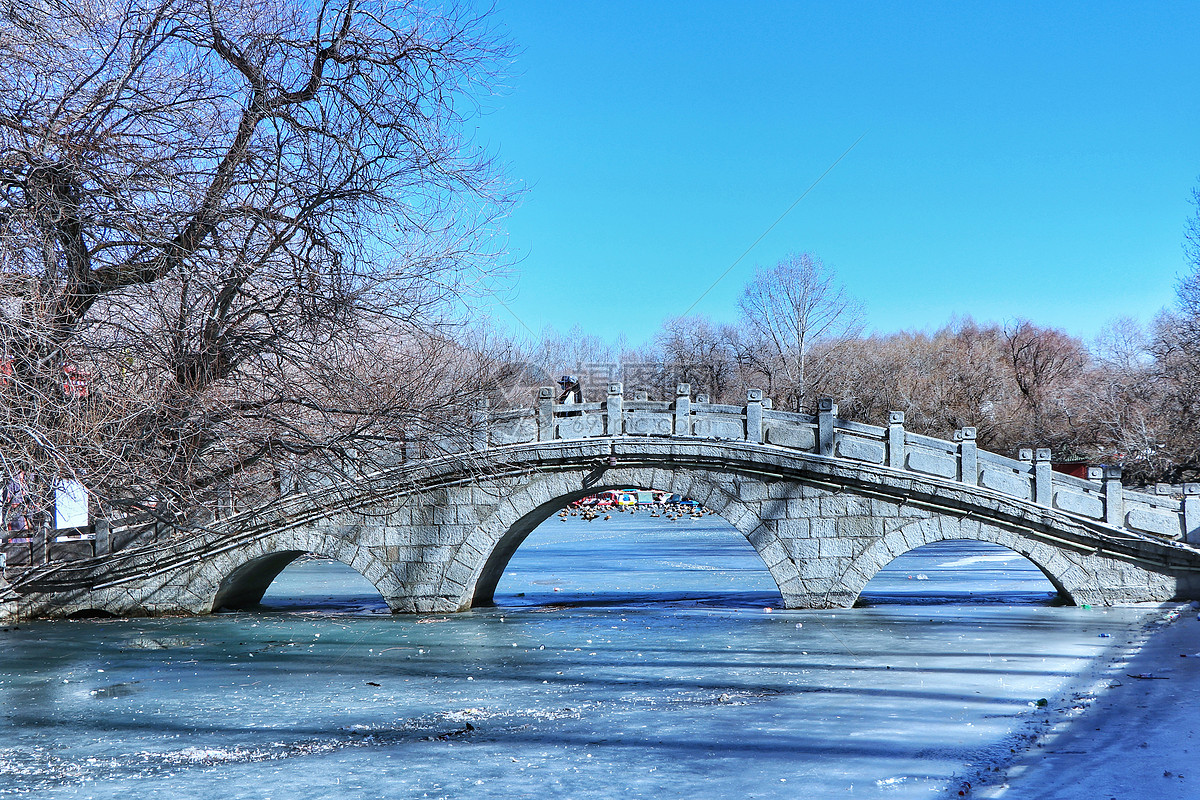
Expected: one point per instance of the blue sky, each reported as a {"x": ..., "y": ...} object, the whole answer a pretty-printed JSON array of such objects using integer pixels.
[{"x": 1019, "y": 160}]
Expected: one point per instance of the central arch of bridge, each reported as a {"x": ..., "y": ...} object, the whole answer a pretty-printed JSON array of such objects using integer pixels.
[
  {"x": 636, "y": 548},
  {"x": 510, "y": 540}
]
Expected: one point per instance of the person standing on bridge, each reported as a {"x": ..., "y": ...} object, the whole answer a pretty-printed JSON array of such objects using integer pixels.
[{"x": 571, "y": 390}]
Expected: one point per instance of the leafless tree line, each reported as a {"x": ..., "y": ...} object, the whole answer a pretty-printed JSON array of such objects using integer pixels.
[{"x": 236, "y": 240}]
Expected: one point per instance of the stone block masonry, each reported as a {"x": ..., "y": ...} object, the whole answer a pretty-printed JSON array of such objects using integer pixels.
[{"x": 824, "y": 512}]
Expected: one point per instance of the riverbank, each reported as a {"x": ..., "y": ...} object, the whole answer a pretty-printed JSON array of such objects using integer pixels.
[{"x": 1134, "y": 735}]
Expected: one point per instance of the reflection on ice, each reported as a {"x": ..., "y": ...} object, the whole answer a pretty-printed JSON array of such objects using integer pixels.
[{"x": 316, "y": 585}]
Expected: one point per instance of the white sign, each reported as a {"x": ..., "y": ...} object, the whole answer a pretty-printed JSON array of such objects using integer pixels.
[{"x": 70, "y": 505}]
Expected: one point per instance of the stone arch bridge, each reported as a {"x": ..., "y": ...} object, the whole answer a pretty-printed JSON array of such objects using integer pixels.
[{"x": 825, "y": 502}]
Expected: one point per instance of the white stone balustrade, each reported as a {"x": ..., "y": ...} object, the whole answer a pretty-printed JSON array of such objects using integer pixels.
[{"x": 1028, "y": 477}]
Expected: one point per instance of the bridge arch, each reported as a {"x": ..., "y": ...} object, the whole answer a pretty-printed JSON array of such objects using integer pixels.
[
  {"x": 1068, "y": 579},
  {"x": 487, "y": 552},
  {"x": 239, "y": 579}
]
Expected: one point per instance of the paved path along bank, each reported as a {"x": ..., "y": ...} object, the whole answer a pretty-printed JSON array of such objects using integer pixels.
[{"x": 1138, "y": 740}]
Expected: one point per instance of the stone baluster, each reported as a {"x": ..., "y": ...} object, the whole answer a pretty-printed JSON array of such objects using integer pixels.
[
  {"x": 1095, "y": 474},
  {"x": 287, "y": 477},
  {"x": 1043, "y": 477},
  {"x": 1114, "y": 496},
  {"x": 103, "y": 532},
  {"x": 754, "y": 416},
  {"x": 683, "y": 410},
  {"x": 968, "y": 457},
  {"x": 545, "y": 414},
  {"x": 40, "y": 545},
  {"x": 614, "y": 420},
  {"x": 224, "y": 491},
  {"x": 480, "y": 419},
  {"x": 895, "y": 436},
  {"x": 768, "y": 403},
  {"x": 826, "y": 413},
  {"x": 701, "y": 398},
  {"x": 1191, "y": 513}
]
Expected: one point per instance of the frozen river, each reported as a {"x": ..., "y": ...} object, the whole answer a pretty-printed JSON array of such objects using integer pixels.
[{"x": 630, "y": 658}]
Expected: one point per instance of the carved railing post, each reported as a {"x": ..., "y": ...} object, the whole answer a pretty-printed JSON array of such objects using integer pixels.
[
  {"x": 614, "y": 422},
  {"x": 1026, "y": 454},
  {"x": 826, "y": 413},
  {"x": 968, "y": 457},
  {"x": 1043, "y": 477},
  {"x": 1114, "y": 496},
  {"x": 1191, "y": 513},
  {"x": 701, "y": 398},
  {"x": 545, "y": 414},
  {"x": 683, "y": 402},
  {"x": 896, "y": 439},
  {"x": 754, "y": 419}
]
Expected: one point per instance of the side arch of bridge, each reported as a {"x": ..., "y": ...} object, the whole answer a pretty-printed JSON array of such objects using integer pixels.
[
  {"x": 240, "y": 577},
  {"x": 486, "y": 553}
]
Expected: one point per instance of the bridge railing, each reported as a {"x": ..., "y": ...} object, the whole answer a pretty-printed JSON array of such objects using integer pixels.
[{"x": 1030, "y": 477}]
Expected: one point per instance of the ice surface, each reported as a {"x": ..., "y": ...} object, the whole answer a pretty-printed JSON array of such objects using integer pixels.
[{"x": 653, "y": 672}]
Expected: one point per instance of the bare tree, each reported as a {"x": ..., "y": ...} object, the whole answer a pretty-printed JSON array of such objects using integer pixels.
[
  {"x": 954, "y": 377},
  {"x": 1046, "y": 364},
  {"x": 557, "y": 354},
  {"x": 702, "y": 354},
  {"x": 227, "y": 231},
  {"x": 1176, "y": 380},
  {"x": 792, "y": 307},
  {"x": 1189, "y": 286}
]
